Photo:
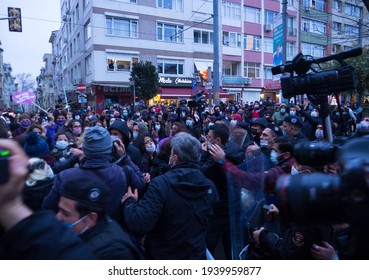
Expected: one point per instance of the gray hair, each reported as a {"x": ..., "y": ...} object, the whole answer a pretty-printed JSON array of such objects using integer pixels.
[{"x": 186, "y": 147}]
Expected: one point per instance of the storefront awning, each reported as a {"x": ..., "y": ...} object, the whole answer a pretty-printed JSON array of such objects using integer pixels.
[{"x": 203, "y": 65}]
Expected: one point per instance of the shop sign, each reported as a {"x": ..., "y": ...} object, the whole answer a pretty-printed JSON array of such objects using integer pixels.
[{"x": 176, "y": 82}]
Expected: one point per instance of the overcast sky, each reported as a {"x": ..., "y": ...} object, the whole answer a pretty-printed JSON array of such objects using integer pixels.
[{"x": 25, "y": 50}]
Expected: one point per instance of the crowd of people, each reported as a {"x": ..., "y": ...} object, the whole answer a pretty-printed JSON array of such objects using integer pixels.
[{"x": 155, "y": 182}]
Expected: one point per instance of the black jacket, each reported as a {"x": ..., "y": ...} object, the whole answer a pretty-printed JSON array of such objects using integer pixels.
[
  {"x": 41, "y": 237},
  {"x": 174, "y": 214},
  {"x": 107, "y": 241},
  {"x": 213, "y": 171}
]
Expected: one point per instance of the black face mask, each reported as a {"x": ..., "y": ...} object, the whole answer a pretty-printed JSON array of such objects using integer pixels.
[{"x": 253, "y": 131}]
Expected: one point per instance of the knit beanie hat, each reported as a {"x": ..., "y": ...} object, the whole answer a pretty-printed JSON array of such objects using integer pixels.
[
  {"x": 35, "y": 146},
  {"x": 96, "y": 141}
]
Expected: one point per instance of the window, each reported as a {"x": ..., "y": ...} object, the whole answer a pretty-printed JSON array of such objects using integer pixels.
[
  {"x": 170, "y": 67},
  {"x": 313, "y": 26},
  {"x": 337, "y": 26},
  {"x": 88, "y": 64},
  {"x": 231, "y": 10},
  {"x": 268, "y": 72},
  {"x": 252, "y": 70},
  {"x": 231, "y": 39},
  {"x": 336, "y": 48},
  {"x": 176, "y": 5},
  {"x": 169, "y": 32},
  {"x": 87, "y": 30},
  {"x": 121, "y": 27},
  {"x": 319, "y": 5},
  {"x": 291, "y": 50},
  {"x": 353, "y": 10},
  {"x": 313, "y": 49},
  {"x": 337, "y": 5},
  {"x": 252, "y": 14},
  {"x": 351, "y": 30},
  {"x": 252, "y": 42},
  {"x": 269, "y": 16},
  {"x": 120, "y": 62},
  {"x": 203, "y": 37},
  {"x": 268, "y": 45}
]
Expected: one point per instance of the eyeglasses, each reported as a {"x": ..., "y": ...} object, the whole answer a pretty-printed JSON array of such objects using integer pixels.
[{"x": 76, "y": 126}]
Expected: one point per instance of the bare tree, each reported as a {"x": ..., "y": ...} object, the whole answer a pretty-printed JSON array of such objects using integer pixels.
[{"x": 25, "y": 82}]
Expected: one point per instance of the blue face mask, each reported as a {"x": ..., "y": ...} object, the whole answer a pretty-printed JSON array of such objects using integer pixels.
[
  {"x": 310, "y": 108},
  {"x": 125, "y": 114},
  {"x": 275, "y": 157},
  {"x": 61, "y": 144},
  {"x": 70, "y": 225}
]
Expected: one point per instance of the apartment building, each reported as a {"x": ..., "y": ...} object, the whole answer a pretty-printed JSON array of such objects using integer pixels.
[{"x": 98, "y": 42}]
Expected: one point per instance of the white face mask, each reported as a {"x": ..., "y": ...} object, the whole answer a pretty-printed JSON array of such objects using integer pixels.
[
  {"x": 293, "y": 113},
  {"x": 233, "y": 122},
  {"x": 264, "y": 143},
  {"x": 61, "y": 144},
  {"x": 150, "y": 148},
  {"x": 294, "y": 171},
  {"x": 314, "y": 114}
]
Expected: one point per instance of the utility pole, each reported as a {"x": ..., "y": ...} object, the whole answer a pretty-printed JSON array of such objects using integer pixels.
[
  {"x": 216, "y": 78},
  {"x": 284, "y": 31},
  {"x": 284, "y": 39}
]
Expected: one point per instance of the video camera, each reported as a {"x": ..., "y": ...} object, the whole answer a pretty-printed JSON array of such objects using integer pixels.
[
  {"x": 197, "y": 99},
  {"x": 327, "y": 198},
  {"x": 317, "y": 83}
]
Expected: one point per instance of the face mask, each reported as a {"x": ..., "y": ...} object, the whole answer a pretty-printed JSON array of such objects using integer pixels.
[
  {"x": 60, "y": 122},
  {"x": 256, "y": 106},
  {"x": 264, "y": 143},
  {"x": 284, "y": 133},
  {"x": 189, "y": 123},
  {"x": 283, "y": 111},
  {"x": 319, "y": 134},
  {"x": 310, "y": 108},
  {"x": 211, "y": 124},
  {"x": 110, "y": 123},
  {"x": 33, "y": 119},
  {"x": 314, "y": 114},
  {"x": 25, "y": 123},
  {"x": 294, "y": 171},
  {"x": 157, "y": 127},
  {"x": 7, "y": 122},
  {"x": 254, "y": 131},
  {"x": 77, "y": 117},
  {"x": 183, "y": 114},
  {"x": 134, "y": 134},
  {"x": 293, "y": 113},
  {"x": 114, "y": 138},
  {"x": 125, "y": 114},
  {"x": 71, "y": 225},
  {"x": 77, "y": 131},
  {"x": 150, "y": 148},
  {"x": 233, "y": 122},
  {"x": 275, "y": 157},
  {"x": 61, "y": 144}
]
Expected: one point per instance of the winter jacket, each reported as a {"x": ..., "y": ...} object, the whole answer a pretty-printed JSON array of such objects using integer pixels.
[
  {"x": 100, "y": 168},
  {"x": 174, "y": 214}
]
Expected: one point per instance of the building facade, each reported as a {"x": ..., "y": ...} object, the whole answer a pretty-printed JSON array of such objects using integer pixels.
[{"x": 100, "y": 40}]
